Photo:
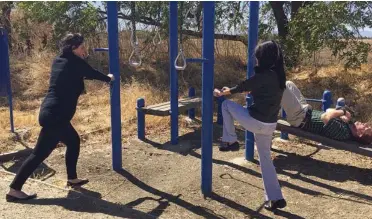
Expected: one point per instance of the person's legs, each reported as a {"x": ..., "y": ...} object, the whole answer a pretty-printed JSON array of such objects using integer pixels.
[
  {"x": 270, "y": 179},
  {"x": 294, "y": 89},
  {"x": 47, "y": 141},
  {"x": 228, "y": 106},
  {"x": 72, "y": 141},
  {"x": 233, "y": 111},
  {"x": 294, "y": 104}
]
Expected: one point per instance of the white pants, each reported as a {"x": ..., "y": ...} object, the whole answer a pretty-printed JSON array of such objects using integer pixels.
[
  {"x": 263, "y": 136},
  {"x": 294, "y": 104}
]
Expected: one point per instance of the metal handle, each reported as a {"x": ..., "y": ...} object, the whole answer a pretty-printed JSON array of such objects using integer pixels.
[
  {"x": 135, "y": 62},
  {"x": 133, "y": 41},
  {"x": 157, "y": 38},
  {"x": 135, "y": 53},
  {"x": 182, "y": 56}
]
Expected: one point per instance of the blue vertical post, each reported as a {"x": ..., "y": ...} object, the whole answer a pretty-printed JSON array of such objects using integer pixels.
[
  {"x": 252, "y": 42},
  {"x": 5, "y": 83},
  {"x": 112, "y": 20},
  {"x": 284, "y": 135},
  {"x": 219, "y": 110},
  {"x": 207, "y": 95},
  {"x": 140, "y": 119},
  {"x": 191, "y": 112},
  {"x": 173, "y": 50},
  {"x": 327, "y": 100},
  {"x": 340, "y": 102}
]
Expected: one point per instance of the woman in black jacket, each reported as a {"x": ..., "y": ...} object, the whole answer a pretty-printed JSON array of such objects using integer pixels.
[
  {"x": 68, "y": 72},
  {"x": 266, "y": 87}
]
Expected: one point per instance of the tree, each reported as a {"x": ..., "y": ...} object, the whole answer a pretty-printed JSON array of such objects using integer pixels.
[
  {"x": 6, "y": 8},
  {"x": 303, "y": 27}
]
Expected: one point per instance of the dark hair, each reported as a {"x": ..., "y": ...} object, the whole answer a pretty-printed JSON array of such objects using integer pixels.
[
  {"x": 70, "y": 42},
  {"x": 270, "y": 56}
]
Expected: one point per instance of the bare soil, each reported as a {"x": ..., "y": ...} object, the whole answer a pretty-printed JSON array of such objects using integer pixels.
[{"x": 163, "y": 180}]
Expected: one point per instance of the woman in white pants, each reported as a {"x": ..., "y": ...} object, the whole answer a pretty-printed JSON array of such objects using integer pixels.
[{"x": 266, "y": 87}]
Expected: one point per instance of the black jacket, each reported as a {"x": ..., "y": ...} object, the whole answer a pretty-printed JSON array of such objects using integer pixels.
[
  {"x": 66, "y": 84},
  {"x": 266, "y": 92}
]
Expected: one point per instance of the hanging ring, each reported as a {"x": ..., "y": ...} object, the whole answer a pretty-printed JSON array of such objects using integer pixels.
[
  {"x": 156, "y": 40},
  {"x": 135, "y": 59},
  {"x": 181, "y": 56}
]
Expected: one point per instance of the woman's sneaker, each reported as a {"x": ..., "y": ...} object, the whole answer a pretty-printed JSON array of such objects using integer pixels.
[
  {"x": 229, "y": 147},
  {"x": 273, "y": 205}
]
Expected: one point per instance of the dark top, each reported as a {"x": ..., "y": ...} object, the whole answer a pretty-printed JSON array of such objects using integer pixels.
[
  {"x": 267, "y": 95},
  {"x": 335, "y": 128},
  {"x": 65, "y": 86}
]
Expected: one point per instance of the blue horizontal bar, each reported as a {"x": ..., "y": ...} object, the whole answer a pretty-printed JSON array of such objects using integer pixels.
[
  {"x": 315, "y": 100},
  {"x": 196, "y": 60},
  {"x": 101, "y": 49}
]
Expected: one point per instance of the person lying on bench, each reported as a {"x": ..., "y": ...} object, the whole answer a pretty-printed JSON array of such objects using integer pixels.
[{"x": 334, "y": 123}]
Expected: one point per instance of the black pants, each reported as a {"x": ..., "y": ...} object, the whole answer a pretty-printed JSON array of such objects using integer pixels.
[{"x": 48, "y": 139}]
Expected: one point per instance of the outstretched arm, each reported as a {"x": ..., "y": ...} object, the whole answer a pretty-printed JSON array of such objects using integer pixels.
[
  {"x": 90, "y": 73},
  {"x": 245, "y": 86}
]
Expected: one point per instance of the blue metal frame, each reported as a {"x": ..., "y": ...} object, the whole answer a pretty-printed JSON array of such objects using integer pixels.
[
  {"x": 254, "y": 7},
  {"x": 207, "y": 97},
  {"x": 140, "y": 119},
  {"x": 101, "y": 49},
  {"x": 173, "y": 50},
  {"x": 113, "y": 42},
  {"x": 4, "y": 54},
  {"x": 191, "y": 112},
  {"x": 196, "y": 60}
]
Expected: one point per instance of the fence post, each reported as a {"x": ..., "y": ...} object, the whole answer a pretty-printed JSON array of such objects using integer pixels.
[
  {"x": 140, "y": 119},
  {"x": 284, "y": 135},
  {"x": 340, "y": 102},
  {"x": 219, "y": 110},
  {"x": 327, "y": 100}
]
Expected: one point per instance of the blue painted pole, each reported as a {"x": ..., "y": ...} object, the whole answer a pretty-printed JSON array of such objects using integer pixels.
[
  {"x": 327, "y": 97},
  {"x": 252, "y": 43},
  {"x": 173, "y": 51},
  {"x": 340, "y": 102},
  {"x": 191, "y": 112},
  {"x": 113, "y": 37},
  {"x": 140, "y": 119},
  {"x": 207, "y": 95},
  {"x": 284, "y": 135},
  {"x": 5, "y": 61},
  {"x": 219, "y": 110}
]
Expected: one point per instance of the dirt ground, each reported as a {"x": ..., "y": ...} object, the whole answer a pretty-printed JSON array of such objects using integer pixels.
[{"x": 162, "y": 180}]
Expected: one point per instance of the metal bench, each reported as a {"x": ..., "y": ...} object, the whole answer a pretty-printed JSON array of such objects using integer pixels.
[
  {"x": 351, "y": 146},
  {"x": 163, "y": 109}
]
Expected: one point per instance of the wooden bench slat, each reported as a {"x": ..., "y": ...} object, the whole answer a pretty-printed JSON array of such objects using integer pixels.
[
  {"x": 163, "y": 109},
  {"x": 346, "y": 145}
]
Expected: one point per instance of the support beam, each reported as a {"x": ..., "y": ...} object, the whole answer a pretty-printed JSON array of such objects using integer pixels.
[
  {"x": 253, "y": 38},
  {"x": 173, "y": 50},
  {"x": 113, "y": 38},
  {"x": 207, "y": 95}
]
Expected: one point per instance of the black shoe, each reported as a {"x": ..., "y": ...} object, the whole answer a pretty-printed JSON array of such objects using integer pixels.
[
  {"x": 10, "y": 198},
  {"x": 273, "y": 205},
  {"x": 78, "y": 184},
  {"x": 229, "y": 147}
]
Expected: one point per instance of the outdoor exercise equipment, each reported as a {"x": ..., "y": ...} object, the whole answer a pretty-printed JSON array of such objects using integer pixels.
[
  {"x": 175, "y": 106},
  {"x": 5, "y": 85},
  {"x": 156, "y": 40},
  {"x": 135, "y": 59}
]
